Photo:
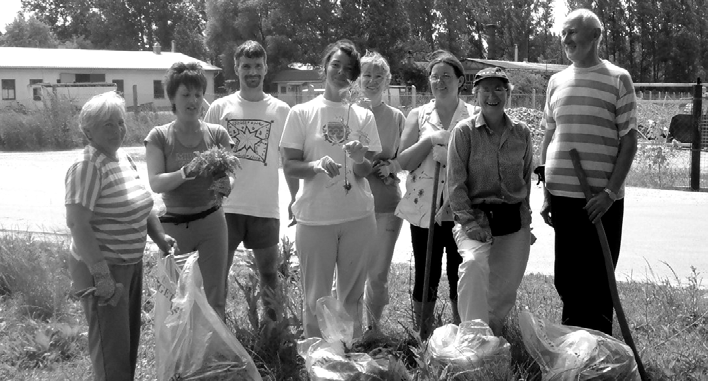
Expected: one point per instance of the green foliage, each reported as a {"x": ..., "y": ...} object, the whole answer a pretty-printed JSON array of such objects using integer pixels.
[
  {"x": 28, "y": 33},
  {"x": 34, "y": 273},
  {"x": 54, "y": 126},
  {"x": 668, "y": 318}
]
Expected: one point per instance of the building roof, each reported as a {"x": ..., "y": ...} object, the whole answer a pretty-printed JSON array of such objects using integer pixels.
[
  {"x": 526, "y": 66},
  {"x": 297, "y": 75},
  {"x": 31, "y": 58}
]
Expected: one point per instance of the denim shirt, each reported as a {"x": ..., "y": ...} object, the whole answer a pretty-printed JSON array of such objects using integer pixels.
[
  {"x": 417, "y": 201},
  {"x": 481, "y": 172}
]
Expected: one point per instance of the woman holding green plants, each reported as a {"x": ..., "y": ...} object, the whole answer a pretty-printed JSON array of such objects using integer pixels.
[
  {"x": 423, "y": 151},
  {"x": 109, "y": 213},
  {"x": 176, "y": 154},
  {"x": 330, "y": 145}
]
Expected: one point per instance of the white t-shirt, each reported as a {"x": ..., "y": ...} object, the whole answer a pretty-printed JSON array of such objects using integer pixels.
[
  {"x": 319, "y": 128},
  {"x": 256, "y": 129}
]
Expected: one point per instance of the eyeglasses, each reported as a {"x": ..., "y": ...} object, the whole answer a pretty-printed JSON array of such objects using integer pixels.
[
  {"x": 436, "y": 78},
  {"x": 496, "y": 89}
]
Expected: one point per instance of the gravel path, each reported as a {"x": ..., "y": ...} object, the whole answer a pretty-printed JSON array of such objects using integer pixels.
[{"x": 663, "y": 229}]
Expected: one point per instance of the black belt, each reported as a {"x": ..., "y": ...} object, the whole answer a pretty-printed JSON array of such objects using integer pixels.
[{"x": 174, "y": 218}]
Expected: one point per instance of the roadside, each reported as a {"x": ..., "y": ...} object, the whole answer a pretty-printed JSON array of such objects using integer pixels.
[{"x": 665, "y": 231}]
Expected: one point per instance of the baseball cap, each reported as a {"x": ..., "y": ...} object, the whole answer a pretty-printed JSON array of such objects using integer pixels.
[{"x": 490, "y": 72}]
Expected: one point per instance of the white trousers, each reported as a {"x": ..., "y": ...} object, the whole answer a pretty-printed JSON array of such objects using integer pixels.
[
  {"x": 490, "y": 275},
  {"x": 320, "y": 249}
]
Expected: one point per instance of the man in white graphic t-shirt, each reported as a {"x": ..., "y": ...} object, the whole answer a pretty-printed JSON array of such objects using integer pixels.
[{"x": 255, "y": 122}]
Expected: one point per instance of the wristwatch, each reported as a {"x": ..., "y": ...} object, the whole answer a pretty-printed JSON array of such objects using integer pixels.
[{"x": 613, "y": 195}]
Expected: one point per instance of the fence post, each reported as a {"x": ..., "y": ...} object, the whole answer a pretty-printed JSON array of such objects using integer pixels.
[
  {"x": 136, "y": 109},
  {"x": 414, "y": 104},
  {"x": 696, "y": 145},
  {"x": 533, "y": 99}
]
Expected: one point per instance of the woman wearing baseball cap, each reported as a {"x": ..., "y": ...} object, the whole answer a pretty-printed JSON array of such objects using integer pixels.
[{"x": 489, "y": 181}]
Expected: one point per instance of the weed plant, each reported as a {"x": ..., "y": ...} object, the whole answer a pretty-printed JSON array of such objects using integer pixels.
[
  {"x": 43, "y": 333},
  {"x": 53, "y": 125}
]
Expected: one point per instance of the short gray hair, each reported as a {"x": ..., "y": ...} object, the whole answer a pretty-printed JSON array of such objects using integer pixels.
[
  {"x": 589, "y": 19},
  {"x": 99, "y": 109}
]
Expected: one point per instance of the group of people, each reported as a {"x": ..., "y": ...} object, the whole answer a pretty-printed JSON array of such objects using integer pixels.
[{"x": 469, "y": 180}]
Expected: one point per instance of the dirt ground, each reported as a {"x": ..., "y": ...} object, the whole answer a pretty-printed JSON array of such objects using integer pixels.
[{"x": 663, "y": 229}]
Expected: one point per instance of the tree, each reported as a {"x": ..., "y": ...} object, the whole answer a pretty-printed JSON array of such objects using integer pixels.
[{"x": 29, "y": 33}]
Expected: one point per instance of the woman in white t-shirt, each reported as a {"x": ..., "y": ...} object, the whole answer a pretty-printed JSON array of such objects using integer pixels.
[{"x": 329, "y": 143}]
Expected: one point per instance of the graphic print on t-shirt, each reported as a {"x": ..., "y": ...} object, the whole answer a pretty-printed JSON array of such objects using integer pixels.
[
  {"x": 335, "y": 132},
  {"x": 250, "y": 138}
]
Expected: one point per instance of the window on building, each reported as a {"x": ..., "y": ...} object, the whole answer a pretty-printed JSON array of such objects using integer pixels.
[
  {"x": 36, "y": 90},
  {"x": 89, "y": 78},
  {"x": 157, "y": 90},
  {"x": 119, "y": 85},
  {"x": 283, "y": 89},
  {"x": 8, "y": 89}
]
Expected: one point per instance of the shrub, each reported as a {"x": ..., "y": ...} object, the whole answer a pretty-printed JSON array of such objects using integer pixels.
[
  {"x": 54, "y": 126},
  {"x": 34, "y": 273}
]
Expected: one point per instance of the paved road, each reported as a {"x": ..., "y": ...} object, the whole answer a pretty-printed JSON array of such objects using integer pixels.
[{"x": 662, "y": 228}]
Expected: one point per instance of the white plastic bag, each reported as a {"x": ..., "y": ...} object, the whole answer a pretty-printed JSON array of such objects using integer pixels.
[
  {"x": 466, "y": 346},
  {"x": 567, "y": 353},
  {"x": 192, "y": 339},
  {"x": 326, "y": 359},
  {"x": 167, "y": 277}
]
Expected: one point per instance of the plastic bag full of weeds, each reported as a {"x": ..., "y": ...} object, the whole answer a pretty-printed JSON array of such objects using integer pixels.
[
  {"x": 329, "y": 358},
  {"x": 467, "y": 345},
  {"x": 192, "y": 342},
  {"x": 568, "y": 353}
]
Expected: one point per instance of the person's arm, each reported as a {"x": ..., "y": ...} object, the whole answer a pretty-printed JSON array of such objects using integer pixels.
[
  {"x": 546, "y": 208},
  {"x": 78, "y": 220},
  {"x": 294, "y": 165},
  {"x": 528, "y": 170},
  {"x": 159, "y": 180},
  {"x": 472, "y": 220},
  {"x": 412, "y": 152},
  {"x": 157, "y": 233},
  {"x": 601, "y": 202}
]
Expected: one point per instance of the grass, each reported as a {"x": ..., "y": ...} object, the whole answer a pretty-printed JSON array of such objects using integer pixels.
[
  {"x": 54, "y": 126},
  {"x": 43, "y": 333}
]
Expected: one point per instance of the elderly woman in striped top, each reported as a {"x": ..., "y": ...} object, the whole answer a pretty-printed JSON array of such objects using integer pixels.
[{"x": 109, "y": 212}]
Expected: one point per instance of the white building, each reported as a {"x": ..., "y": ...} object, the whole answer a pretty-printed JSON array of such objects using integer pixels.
[{"x": 25, "y": 73}]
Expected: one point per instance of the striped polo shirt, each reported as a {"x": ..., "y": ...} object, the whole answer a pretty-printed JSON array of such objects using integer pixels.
[
  {"x": 590, "y": 109},
  {"x": 120, "y": 203}
]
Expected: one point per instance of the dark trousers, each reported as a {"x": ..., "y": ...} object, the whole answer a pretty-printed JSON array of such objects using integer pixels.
[
  {"x": 442, "y": 239},
  {"x": 580, "y": 275},
  {"x": 113, "y": 332}
]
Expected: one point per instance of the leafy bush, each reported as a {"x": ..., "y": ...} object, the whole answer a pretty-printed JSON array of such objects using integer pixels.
[
  {"x": 54, "y": 126},
  {"x": 34, "y": 273}
]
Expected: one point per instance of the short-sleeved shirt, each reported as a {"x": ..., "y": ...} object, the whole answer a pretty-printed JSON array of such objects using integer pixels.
[
  {"x": 389, "y": 122},
  {"x": 320, "y": 128},
  {"x": 256, "y": 129},
  {"x": 481, "y": 172},
  {"x": 417, "y": 201},
  {"x": 590, "y": 109},
  {"x": 113, "y": 191},
  {"x": 192, "y": 193}
]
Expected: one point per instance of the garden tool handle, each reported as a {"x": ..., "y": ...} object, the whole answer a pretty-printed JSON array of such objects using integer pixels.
[
  {"x": 609, "y": 268},
  {"x": 429, "y": 249}
]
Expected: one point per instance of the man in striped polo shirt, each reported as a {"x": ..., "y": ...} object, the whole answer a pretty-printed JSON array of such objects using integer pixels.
[{"x": 590, "y": 106}]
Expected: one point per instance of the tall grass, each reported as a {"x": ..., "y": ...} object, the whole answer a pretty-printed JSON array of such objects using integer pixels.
[
  {"x": 42, "y": 332},
  {"x": 53, "y": 125}
]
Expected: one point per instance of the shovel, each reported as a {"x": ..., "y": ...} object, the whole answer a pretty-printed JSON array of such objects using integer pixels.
[
  {"x": 609, "y": 268},
  {"x": 429, "y": 250}
]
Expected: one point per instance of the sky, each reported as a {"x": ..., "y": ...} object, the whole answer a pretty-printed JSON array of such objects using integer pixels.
[
  {"x": 9, "y": 11},
  {"x": 10, "y": 8}
]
